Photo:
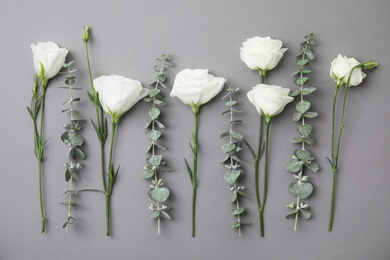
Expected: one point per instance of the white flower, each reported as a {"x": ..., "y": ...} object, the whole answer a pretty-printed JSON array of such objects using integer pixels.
[
  {"x": 269, "y": 100},
  {"x": 50, "y": 56},
  {"x": 196, "y": 87},
  {"x": 341, "y": 68},
  {"x": 117, "y": 94},
  {"x": 262, "y": 53}
]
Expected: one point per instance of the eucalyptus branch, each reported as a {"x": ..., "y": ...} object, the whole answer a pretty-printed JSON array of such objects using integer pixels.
[
  {"x": 302, "y": 158},
  {"x": 232, "y": 161},
  {"x": 73, "y": 139},
  {"x": 155, "y": 163}
]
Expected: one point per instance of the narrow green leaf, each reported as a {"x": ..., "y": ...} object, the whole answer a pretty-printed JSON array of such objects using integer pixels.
[
  {"x": 295, "y": 93},
  {"x": 310, "y": 114},
  {"x": 155, "y": 214},
  {"x": 165, "y": 215},
  {"x": 307, "y": 91},
  {"x": 236, "y": 225},
  {"x": 230, "y": 103},
  {"x": 302, "y": 62},
  {"x": 235, "y": 212},
  {"x": 301, "y": 81}
]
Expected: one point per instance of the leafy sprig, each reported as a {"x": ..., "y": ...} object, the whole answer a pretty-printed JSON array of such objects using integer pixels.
[
  {"x": 73, "y": 139},
  {"x": 155, "y": 163},
  {"x": 232, "y": 161},
  {"x": 302, "y": 158}
]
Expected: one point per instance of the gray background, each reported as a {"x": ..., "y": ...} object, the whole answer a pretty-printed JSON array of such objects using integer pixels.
[{"x": 126, "y": 38}]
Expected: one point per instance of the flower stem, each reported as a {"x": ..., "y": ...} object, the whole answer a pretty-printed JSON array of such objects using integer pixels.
[
  {"x": 267, "y": 127},
  {"x": 40, "y": 157},
  {"x": 43, "y": 219},
  {"x": 257, "y": 159},
  {"x": 108, "y": 226},
  {"x": 195, "y": 168},
  {"x": 332, "y": 201}
]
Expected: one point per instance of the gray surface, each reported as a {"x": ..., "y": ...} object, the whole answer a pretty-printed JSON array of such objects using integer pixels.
[{"x": 127, "y": 36}]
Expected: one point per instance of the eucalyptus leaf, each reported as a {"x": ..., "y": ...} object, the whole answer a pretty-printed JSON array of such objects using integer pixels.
[
  {"x": 301, "y": 189},
  {"x": 231, "y": 103},
  {"x": 147, "y": 174},
  {"x": 234, "y": 197},
  {"x": 75, "y": 153},
  {"x": 297, "y": 140},
  {"x": 304, "y": 155},
  {"x": 155, "y": 160},
  {"x": 292, "y": 214},
  {"x": 302, "y": 62},
  {"x": 236, "y": 135},
  {"x": 155, "y": 214},
  {"x": 305, "y": 129},
  {"x": 307, "y": 91},
  {"x": 75, "y": 138},
  {"x": 301, "y": 81},
  {"x": 310, "y": 114},
  {"x": 297, "y": 116},
  {"x": 153, "y": 135},
  {"x": 235, "y": 212},
  {"x": 309, "y": 140},
  {"x": 302, "y": 106},
  {"x": 153, "y": 92},
  {"x": 165, "y": 215},
  {"x": 153, "y": 113},
  {"x": 160, "y": 194},
  {"x": 231, "y": 176},
  {"x": 236, "y": 225},
  {"x": 294, "y": 165},
  {"x": 305, "y": 214},
  {"x": 295, "y": 93},
  {"x": 312, "y": 166},
  {"x": 228, "y": 147}
]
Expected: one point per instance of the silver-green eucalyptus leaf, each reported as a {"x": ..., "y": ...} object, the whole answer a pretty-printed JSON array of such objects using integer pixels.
[{"x": 301, "y": 189}]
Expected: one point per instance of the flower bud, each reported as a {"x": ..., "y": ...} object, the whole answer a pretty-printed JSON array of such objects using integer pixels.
[
  {"x": 86, "y": 34},
  {"x": 367, "y": 65}
]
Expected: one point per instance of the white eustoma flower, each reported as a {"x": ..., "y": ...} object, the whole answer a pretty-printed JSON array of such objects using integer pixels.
[
  {"x": 196, "y": 87},
  {"x": 341, "y": 68},
  {"x": 262, "y": 53},
  {"x": 50, "y": 56},
  {"x": 117, "y": 94},
  {"x": 269, "y": 100}
]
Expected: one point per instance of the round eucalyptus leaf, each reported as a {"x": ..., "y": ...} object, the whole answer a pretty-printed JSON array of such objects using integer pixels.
[
  {"x": 153, "y": 135},
  {"x": 155, "y": 160},
  {"x": 231, "y": 176},
  {"x": 228, "y": 147},
  {"x": 153, "y": 113},
  {"x": 305, "y": 129},
  {"x": 76, "y": 153},
  {"x": 75, "y": 138},
  {"x": 159, "y": 194},
  {"x": 147, "y": 174},
  {"x": 294, "y": 165},
  {"x": 305, "y": 214},
  {"x": 301, "y": 190},
  {"x": 304, "y": 155}
]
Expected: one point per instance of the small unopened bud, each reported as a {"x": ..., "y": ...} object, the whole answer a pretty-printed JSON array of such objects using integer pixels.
[
  {"x": 367, "y": 65},
  {"x": 86, "y": 34}
]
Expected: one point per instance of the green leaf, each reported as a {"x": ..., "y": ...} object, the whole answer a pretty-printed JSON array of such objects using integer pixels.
[
  {"x": 312, "y": 166},
  {"x": 67, "y": 175},
  {"x": 295, "y": 93},
  {"x": 231, "y": 103},
  {"x": 305, "y": 214},
  {"x": 75, "y": 153},
  {"x": 160, "y": 102},
  {"x": 305, "y": 129},
  {"x": 310, "y": 114},
  {"x": 155, "y": 160},
  {"x": 155, "y": 214},
  {"x": 307, "y": 91},
  {"x": 147, "y": 174},
  {"x": 306, "y": 71},
  {"x": 235, "y": 212},
  {"x": 224, "y": 135},
  {"x": 236, "y": 225},
  {"x": 297, "y": 116},
  {"x": 159, "y": 194},
  {"x": 234, "y": 197},
  {"x": 75, "y": 138},
  {"x": 304, "y": 155},
  {"x": 301, "y": 189},
  {"x": 236, "y": 135},
  {"x": 159, "y": 124},
  {"x": 297, "y": 140},
  {"x": 165, "y": 215},
  {"x": 153, "y": 92},
  {"x": 189, "y": 170},
  {"x": 296, "y": 72},
  {"x": 227, "y": 148},
  {"x": 309, "y": 140},
  {"x": 153, "y": 135},
  {"x": 294, "y": 165},
  {"x": 301, "y": 81},
  {"x": 231, "y": 176},
  {"x": 153, "y": 113},
  {"x": 292, "y": 214},
  {"x": 309, "y": 54},
  {"x": 302, "y": 106},
  {"x": 302, "y": 62}
]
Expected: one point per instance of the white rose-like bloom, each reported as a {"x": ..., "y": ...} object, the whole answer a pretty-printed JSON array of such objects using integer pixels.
[
  {"x": 50, "y": 56},
  {"x": 117, "y": 94},
  {"x": 342, "y": 66},
  {"x": 196, "y": 87},
  {"x": 269, "y": 100},
  {"x": 262, "y": 53}
]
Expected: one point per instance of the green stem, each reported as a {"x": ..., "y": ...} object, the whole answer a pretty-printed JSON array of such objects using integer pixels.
[
  {"x": 108, "y": 226},
  {"x": 195, "y": 167},
  {"x": 267, "y": 128},
  {"x": 333, "y": 122},
  {"x": 111, "y": 180},
  {"x": 332, "y": 201},
  {"x": 262, "y": 75},
  {"x": 341, "y": 125},
  {"x": 40, "y": 157},
  {"x": 257, "y": 159}
]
